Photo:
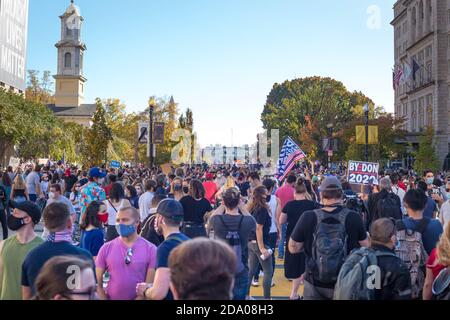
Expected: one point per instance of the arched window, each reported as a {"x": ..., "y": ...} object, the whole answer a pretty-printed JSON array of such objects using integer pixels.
[{"x": 67, "y": 60}]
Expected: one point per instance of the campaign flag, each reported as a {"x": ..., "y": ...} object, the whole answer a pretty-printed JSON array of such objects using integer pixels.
[{"x": 290, "y": 153}]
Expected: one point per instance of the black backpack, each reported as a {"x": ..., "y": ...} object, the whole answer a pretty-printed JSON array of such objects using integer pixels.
[
  {"x": 441, "y": 285},
  {"x": 233, "y": 238},
  {"x": 388, "y": 207},
  {"x": 3, "y": 199},
  {"x": 148, "y": 231},
  {"x": 329, "y": 249}
]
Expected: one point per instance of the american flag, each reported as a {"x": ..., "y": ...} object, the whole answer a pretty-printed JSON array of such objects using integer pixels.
[
  {"x": 290, "y": 153},
  {"x": 398, "y": 74}
]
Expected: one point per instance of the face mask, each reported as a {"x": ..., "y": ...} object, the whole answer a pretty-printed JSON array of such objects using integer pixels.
[
  {"x": 103, "y": 217},
  {"x": 15, "y": 223},
  {"x": 52, "y": 195},
  {"x": 177, "y": 187},
  {"x": 430, "y": 181},
  {"x": 125, "y": 230},
  {"x": 100, "y": 181},
  {"x": 186, "y": 189}
]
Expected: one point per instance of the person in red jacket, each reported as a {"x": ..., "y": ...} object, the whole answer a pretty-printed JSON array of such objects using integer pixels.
[{"x": 210, "y": 188}]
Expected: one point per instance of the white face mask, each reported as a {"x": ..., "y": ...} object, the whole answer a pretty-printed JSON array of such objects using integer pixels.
[
  {"x": 52, "y": 195},
  {"x": 100, "y": 181}
]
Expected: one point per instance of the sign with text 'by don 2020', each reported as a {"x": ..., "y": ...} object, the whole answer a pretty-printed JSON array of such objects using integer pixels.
[
  {"x": 13, "y": 42},
  {"x": 363, "y": 172}
]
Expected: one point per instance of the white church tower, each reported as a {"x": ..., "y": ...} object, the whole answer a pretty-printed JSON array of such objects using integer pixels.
[{"x": 69, "y": 91}]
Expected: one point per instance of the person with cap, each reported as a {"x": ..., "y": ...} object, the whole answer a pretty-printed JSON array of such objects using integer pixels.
[
  {"x": 59, "y": 242},
  {"x": 328, "y": 234},
  {"x": 129, "y": 259},
  {"x": 169, "y": 216},
  {"x": 13, "y": 251},
  {"x": 93, "y": 190}
]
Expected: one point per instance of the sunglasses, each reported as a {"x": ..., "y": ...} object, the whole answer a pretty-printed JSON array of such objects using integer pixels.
[{"x": 128, "y": 256}]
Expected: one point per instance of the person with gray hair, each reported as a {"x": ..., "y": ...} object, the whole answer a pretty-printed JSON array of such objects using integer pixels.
[{"x": 384, "y": 204}]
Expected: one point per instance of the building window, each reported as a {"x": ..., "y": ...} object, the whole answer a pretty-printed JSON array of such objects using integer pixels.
[
  {"x": 414, "y": 116},
  {"x": 429, "y": 107},
  {"x": 68, "y": 60},
  {"x": 429, "y": 71},
  {"x": 68, "y": 32},
  {"x": 421, "y": 114}
]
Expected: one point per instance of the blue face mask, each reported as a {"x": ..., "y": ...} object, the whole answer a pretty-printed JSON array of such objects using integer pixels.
[
  {"x": 430, "y": 181},
  {"x": 125, "y": 230}
]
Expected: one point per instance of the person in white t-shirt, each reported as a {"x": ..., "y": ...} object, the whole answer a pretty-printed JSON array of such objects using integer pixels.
[{"x": 145, "y": 200}]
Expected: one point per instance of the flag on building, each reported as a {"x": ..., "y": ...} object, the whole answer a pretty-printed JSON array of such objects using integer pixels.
[
  {"x": 415, "y": 68},
  {"x": 393, "y": 79},
  {"x": 406, "y": 72},
  {"x": 290, "y": 153},
  {"x": 398, "y": 74}
]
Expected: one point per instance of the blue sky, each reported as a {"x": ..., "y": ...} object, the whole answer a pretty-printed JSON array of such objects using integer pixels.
[{"x": 220, "y": 57}]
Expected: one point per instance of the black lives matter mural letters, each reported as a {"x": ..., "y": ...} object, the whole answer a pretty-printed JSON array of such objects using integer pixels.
[{"x": 13, "y": 42}]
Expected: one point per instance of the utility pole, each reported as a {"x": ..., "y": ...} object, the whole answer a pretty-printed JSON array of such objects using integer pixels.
[
  {"x": 150, "y": 133},
  {"x": 366, "y": 125}
]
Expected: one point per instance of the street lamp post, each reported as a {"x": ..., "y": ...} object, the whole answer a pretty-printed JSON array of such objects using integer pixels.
[
  {"x": 330, "y": 142},
  {"x": 366, "y": 125},
  {"x": 150, "y": 134}
]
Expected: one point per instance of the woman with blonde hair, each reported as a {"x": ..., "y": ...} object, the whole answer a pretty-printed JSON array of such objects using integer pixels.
[
  {"x": 229, "y": 183},
  {"x": 19, "y": 192},
  {"x": 439, "y": 259}
]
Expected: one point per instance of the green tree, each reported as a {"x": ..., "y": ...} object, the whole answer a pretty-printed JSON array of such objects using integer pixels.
[
  {"x": 25, "y": 124},
  {"x": 98, "y": 137},
  {"x": 39, "y": 89},
  {"x": 314, "y": 102},
  {"x": 389, "y": 132},
  {"x": 426, "y": 157}
]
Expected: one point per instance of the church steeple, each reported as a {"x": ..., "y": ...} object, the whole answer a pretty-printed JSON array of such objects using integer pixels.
[{"x": 69, "y": 79}]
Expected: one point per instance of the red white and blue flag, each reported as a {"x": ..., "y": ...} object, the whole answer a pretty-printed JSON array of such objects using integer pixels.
[{"x": 290, "y": 153}]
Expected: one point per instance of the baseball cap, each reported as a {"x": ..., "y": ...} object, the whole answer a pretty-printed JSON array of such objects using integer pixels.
[
  {"x": 171, "y": 209},
  {"x": 96, "y": 172},
  {"x": 31, "y": 209},
  {"x": 331, "y": 183}
]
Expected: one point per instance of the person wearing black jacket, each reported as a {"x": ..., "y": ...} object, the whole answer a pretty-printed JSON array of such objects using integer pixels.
[
  {"x": 395, "y": 279},
  {"x": 373, "y": 203}
]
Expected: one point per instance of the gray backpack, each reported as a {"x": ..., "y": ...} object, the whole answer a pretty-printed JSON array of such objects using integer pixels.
[
  {"x": 412, "y": 252},
  {"x": 329, "y": 249},
  {"x": 355, "y": 279}
]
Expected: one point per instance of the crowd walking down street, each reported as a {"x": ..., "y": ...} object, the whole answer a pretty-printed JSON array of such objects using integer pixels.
[{"x": 192, "y": 235}]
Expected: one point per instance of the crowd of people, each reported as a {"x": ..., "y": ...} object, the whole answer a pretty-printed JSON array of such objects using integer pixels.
[{"x": 211, "y": 232}]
